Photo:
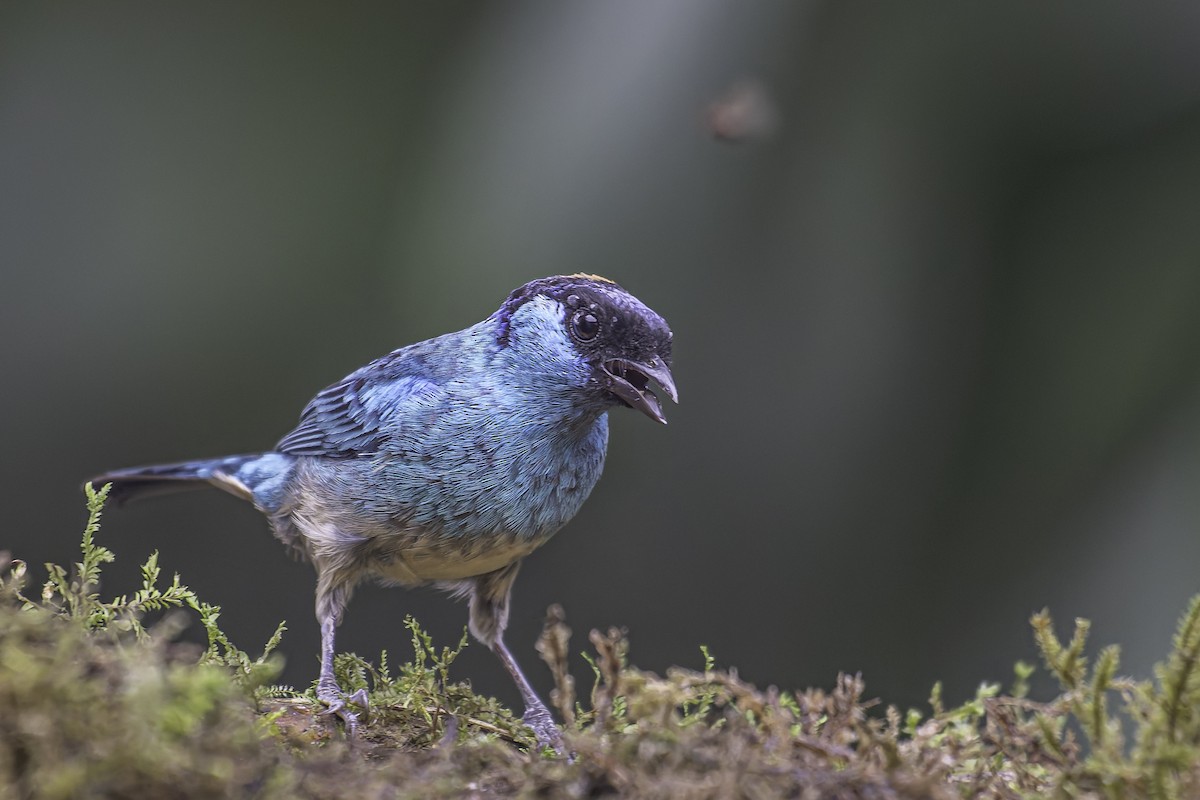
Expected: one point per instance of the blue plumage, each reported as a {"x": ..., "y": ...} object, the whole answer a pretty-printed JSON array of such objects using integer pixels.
[{"x": 449, "y": 460}]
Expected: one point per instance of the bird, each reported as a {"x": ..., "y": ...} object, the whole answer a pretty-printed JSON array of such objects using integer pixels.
[{"x": 448, "y": 461}]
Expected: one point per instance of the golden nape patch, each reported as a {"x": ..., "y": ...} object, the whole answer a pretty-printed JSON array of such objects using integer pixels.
[{"x": 588, "y": 277}]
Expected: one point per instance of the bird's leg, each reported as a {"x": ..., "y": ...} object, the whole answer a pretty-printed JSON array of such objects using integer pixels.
[
  {"x": 489, "y": 618},
  {"x": 330, "y": 604},
  {"x": 536, "y": 715},
  {"x": 328, "y": 690}
]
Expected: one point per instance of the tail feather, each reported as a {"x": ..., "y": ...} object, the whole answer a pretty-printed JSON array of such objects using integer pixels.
[{"x": 237, "y": 475}]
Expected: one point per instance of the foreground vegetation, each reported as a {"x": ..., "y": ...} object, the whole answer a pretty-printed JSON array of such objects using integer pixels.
[{"x": 95, "y": 701}]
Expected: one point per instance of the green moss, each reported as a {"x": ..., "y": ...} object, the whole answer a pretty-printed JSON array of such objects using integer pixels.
[
  {"x": 89, "y": 716},
  {"x": 97, "y": 699}
]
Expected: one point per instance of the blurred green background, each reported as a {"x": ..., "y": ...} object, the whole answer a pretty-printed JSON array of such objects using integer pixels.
[{"x": 937, "y": 332}]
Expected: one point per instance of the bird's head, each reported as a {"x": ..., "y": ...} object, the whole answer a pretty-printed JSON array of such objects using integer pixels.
[{"x": 618, "y": 344}]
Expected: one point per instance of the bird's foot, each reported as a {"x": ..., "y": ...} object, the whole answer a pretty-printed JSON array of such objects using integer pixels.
[
  {"x": 337, "y": 704},
  {"x": 537, "y": 718}
]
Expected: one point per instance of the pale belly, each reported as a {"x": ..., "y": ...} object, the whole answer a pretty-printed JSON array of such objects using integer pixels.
[{"x": 410, "y": 565}]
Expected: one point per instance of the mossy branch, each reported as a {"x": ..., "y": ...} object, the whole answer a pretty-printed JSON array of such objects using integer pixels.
[{"x": 96, "y": 701}]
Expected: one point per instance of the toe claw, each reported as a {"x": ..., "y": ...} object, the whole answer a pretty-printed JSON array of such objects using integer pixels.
[
  {"x": 336, "y": 704},
  {"x": 360, "y": 699},
  {"x": 538, "y": 720}
]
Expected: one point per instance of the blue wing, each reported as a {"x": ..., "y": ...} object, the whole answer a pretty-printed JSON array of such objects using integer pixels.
[{"x": 359, "y": 414}]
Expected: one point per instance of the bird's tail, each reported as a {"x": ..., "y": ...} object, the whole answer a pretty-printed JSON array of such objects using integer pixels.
[{"x": 258, "y": 477}]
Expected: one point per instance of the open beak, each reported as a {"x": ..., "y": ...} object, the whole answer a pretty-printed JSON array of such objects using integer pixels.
[{"x": 629, "y": 380}]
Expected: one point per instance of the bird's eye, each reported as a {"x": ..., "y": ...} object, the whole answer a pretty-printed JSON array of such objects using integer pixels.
[{"x": 585, "y": 326}]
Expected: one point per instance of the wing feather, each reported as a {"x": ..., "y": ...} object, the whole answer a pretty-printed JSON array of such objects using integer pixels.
[{"x": 360, "y": 413}]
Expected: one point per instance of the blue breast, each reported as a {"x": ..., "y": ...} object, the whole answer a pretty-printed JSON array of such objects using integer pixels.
[{"x": 518, "y": 476}]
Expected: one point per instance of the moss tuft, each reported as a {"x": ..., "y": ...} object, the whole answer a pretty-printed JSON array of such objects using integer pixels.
[{"x": 99, "y": 700}]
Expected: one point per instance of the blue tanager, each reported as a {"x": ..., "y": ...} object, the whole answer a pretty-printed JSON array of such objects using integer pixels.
[{"x": 448, "y": 461}]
